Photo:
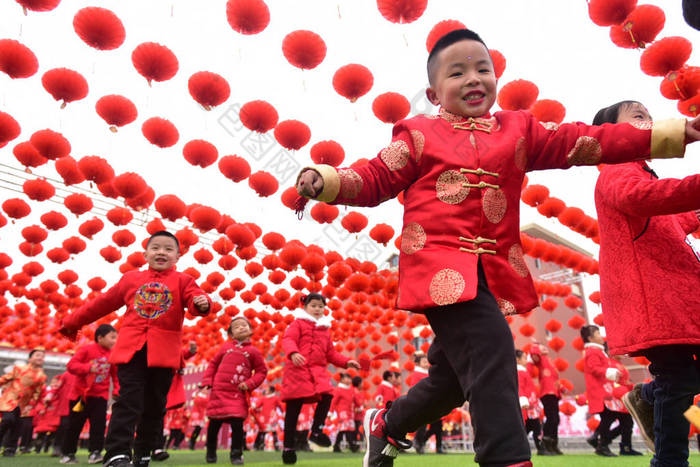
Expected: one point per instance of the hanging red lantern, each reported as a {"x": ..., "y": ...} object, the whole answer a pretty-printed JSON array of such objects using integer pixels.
[
  {"x": 553, "y": 325},
  {"x": 205, "y": 218},
  {"x": 17, "y": 60},
  {"x": 116, "y": 110},
  {"x": 264, "y": 183},
  {"x": 50, "y": 144},
  {"x": 382, "y": 233},
  {"x": 609, "y": 12},
  {"x": 401, "y": 11},
  {"x": 96, "y": 284},
  {"x": 123, "y": 238},
  {"x": 665, "y": 55},
  {"x": 74, "y": 245},
  {"x": 327, "y": 152},
  {"x": 53, "y": 220},
  {"x": 247, "y": 16},
  {"x": 560, "y": 364},
  {"x": 519, "y": 94},
  {"x": 67, "y": 168},
  {"x": 292, "y": 254},
  {"x": 200, "y": 153},
  {"x": 691, "y": 108},
  {"x": 240, "y": 235},
  {"x": 16, "y": 208},
  {"x": 572, "y": 301},
  {"x": 38, "y": 189},
  {"x": 324, "y": 213},
  {"x": 95, "y": 169},
  {"x": 9, "y": 128},
  {"x": 548, "y": 110},
  {"x": 155, "y": 62},
  {"x": 440, "y": 29},
  {"x": 354, "y": 222},
  {"x": 234, "y": 168},
  {"x": 595, "y": 297},
  {"x": 65, "y": 85},
  {"x": 556, "y": 344},
  {"x": 34, "y": 234},
  {"x": 499, "y": 62},
  {"x": 119, "y": 216},
  {"x": 304, "y": 49},
  {"x": 534, "y": 195},
  {"x": 110, "y": 254},
  {"x": 390, "y": 107},
  {"x": 67, "y": 277},
  {"x": 129, "y": 184},
  {"x": 32, "y": 269},
  {"x": 28, "y": 156},
  {"x": 313, "y": 263},
  {"x": 208, "y": 89},
  {"x": 681, "y": 84},
  {"x": 640, "y": 27},
  {"x": 576, "y": 322},
  {"x": 160, "y": 132},
  {"x": 258, "y": 116},
  {"x": 353, "y": 81},
  {"x": 91, "y": 227},
  {"x": 292, "y": 134},
  {"x": 38, "y": 5},
  {"x": 253, "y": 269},
  {"x": 592, "y": 423},
  {"x": 99, "y": 28},
  {"x": 170, "y": 207},
  {"x": 273, "y": 241},
  {"x": 527, "y": 329},
  {"x": 551, "y": 207}
]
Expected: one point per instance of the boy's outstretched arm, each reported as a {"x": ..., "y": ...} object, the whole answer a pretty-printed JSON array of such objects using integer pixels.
[{"x": 93, "y": 310}]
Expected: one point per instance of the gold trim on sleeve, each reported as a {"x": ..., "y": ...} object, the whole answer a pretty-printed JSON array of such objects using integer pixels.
[{"x": 668, "y": 139}]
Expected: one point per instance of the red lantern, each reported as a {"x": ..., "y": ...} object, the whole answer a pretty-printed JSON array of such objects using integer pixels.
[
  {"x": 553, "y": 325},
  {"x": 74, "y": 245},
  {"x": 313, "y": 263},
  {"x": 567, "y": 408},
  {"x": 99, "y": 28},
  {"x": 572, "y": 301},
  {"x": 440, "y": 29},
  {"x": 170, "y": 207},
  {"x": 599, "y": 320},
  {"x": 609, "y": 12},
  {"x": 253, "y": 269},
  {"x": 9, "y": 128},
  {"x": 691, "y": 108},
  {"x": 90, "y": 227},
  {"x": 96, "y": 284},
  {"x": 517, "y": 95},
  {"x": 263, "y": 183},
  {"x": 155, "y": 62},
  {"x": 592, "y": 423},
  {"x": 16, "y": 208},
  {"x": 58, "y": 255},
  {"x": 556, "y": 344},
  {"x": 234, "y": 168},
  {"x": 208, "y": 89},
  {"x": 665, "y": 55},
  {"x": 682, "y": 84},
  {"x": 258, "y": 116},
  {"x": 324, "y": 213},
  {"x": 551, "y": 207},
  {"x": 38, "y": 189},
  {"x": 160, "y": 132},
  {"x": 50, "y": 144},
  {"x": 352, "y": 81},
  {"x": 96, "y": 169},
  {"x": 65, "y": 85},
  {"x": 576, "y": 322},
  {"x": 381, "y": 233},
  {"x": 640, "y": 27},
  {"x": 205, "y": 218},
  {"x": 390, "y": 107},
  {"x": 273, "y": 241},
  {"x": 247, "y": 16},
  {"x": 53, "y": 220},
  {"x": 561, "y": 364},
  {"x": 67, "y": 168},
  {"x": 123, "y": 238},
  {"x": 17, "y": 60},
  {"x": 595, "y": 297},
  {"x": 304, "y": 49},
  {"x": 499, "y": 62},
  {"x": 402, "y": 11},
  {"x": 38, "y": 5},
  {"x": 129, "y": 184},
  {"x": 527, "y": 329},
  {"x": 292, "y": 134},
  {"x": 292, "y": 254},
  {"x": 116, "y": 110},
  {"x": 354, "y": 222},
  {"x": 534, "y": 195},
  {"x": 119, "y": 216},
  {"x": 240, "y": 235},
  {"x": 200, "y": 153},
  {"x": 327, "y": 152},
  {"x": 34, "y": 234},
  {"x": 28, "y": 156},
  {"x": 548, "y": 110},
  {"x": 110, "y": 254}
]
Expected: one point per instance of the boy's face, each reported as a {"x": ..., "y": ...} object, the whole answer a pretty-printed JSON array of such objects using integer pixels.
[
  {"x": 315, "y": 308},
  {"x": 240, "y": 330},
  {"x": 522, "y": 361},
  {"x": 597, "y": 338},
  {"x": 108, "y": 340},
  {"x": 423, "y": 363},
  {"x": 634, "y": 112},
  {"x": 162, "y": 253},
  {"x": 463, "y": 82},
  {"x": 395, "y": 379},
  {"x": 37, "y": 359},
  {"x": 346, "y": 380}
]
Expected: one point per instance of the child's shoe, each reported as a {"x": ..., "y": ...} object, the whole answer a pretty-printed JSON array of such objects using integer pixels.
[
  {"x": 603, "y": 450},
  {"x": 593, "y": 440},
  {"x": 95, "y": 458},
  {"x": 211, "y": 457},
  {"x": 160, "y": 455},
  {"x": 643, "y": 414},
  {"x": 142, "y": 461},
  {"x": 68, "y": 459},
  {"x": 320, "y": 439},
  {"x": 121, "y": 460},
  {"x": 626, "y": 450},
  {"x": 236, "y": 457},
  {"x": 289, "y": 456},
  {"x": 381, "y": 448}
]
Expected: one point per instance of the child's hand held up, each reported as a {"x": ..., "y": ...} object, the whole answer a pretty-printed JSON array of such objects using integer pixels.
[{"x": 201, "y": 302}]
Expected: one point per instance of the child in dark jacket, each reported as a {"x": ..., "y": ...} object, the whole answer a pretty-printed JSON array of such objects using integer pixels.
[{"x": 234, "y": 372}]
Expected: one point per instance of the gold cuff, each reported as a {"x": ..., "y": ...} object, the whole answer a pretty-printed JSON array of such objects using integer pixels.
[
  {"x": 331, "y": 182},
  {"x": 668, "y": 139}
]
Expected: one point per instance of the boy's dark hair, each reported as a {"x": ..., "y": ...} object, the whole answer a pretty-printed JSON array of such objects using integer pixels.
[
  {"x": 33, "y": 351},
  {"x": 588, "y": 331},
  {"x": 519, "y": 353},
  {"x": 344, "y": 375},
  {"x": 356, "y": 381},
  {"x": 447, "y": 40},
  {"x": 419, "y": 357},
  {"x": 103, "y": 330},
  {"x": 610, "y": 114},
  {"x": 387, "y": 374},
  {"x": 306, "y": 299},
  {"x": 164, "y": 233},
  {"x": 233, "y": 320}
]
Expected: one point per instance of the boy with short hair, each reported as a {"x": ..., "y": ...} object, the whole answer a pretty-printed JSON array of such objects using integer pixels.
[
  {"x": 530, "y": 403},
  {"x": 89, "y": 394},
  {"x": 386, "y": 391},
  {"x": 461, "y": 262},
  {"x": 151, "y": 327}
]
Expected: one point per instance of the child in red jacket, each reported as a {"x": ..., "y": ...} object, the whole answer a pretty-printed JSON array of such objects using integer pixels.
[
  {"x": 649, "y": 278},
  {"x": 550, "y": 394},
  {"x": 89, "y": 394},
  {"x": 624, "y": 428},
  {"x": 199, "y": 408},
  {"x": 47, "y": 418},
  {"x": 342, "y": 408},
  {"x": 236, "y": 370},
  {"x": 151, "y": 328},
  {"x": 530, "y": 403},
  {"x": 388, "y": 390},
  {"x": 359, "y": 406},
  {"x": 267, "y": 409},
  {"x": 307, "y": 344}
]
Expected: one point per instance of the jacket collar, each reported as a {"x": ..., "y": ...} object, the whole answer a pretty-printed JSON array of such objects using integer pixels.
[
  {"x": 323, "y": 322},
  {"x": 521, "y": 368},
  {"x": 161, "y": 273},
  {"x": 594, "y": 345},
  {"x": 387, "y": 383},
  {"x": 343, "y": 386},
  {"x": 483, "y": 123},
  {"x": 419, "y": 369}
]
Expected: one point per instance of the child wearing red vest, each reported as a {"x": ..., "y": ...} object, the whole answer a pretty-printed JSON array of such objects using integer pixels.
[
  {"x": 151, "y": 328},
  {"x": 423, "y": 433},
  {"x": 236, "y": 370},
  {"x": 89, "y": 394},
  {"x": 342, "y": 409},
  {"x": 307, "y": 344},
  {"x": 530, "y": 403}
]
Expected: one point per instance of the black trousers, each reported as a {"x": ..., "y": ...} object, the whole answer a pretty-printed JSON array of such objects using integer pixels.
[
  {"x": 195, "y": 435},
  {"x": 471, "y": 360},
  {"x": 95, "y": 410},
  {"x": 176, "y": 437},
  {"x": 291, "y": 416},
  {"x": 424, "y": 433},
  {"x": 237, "y": 434},
  {"x": 550, "y": 402},
  {"x": 143, "y": 393},
  {"x": 349, "y": 438},
  {"x": 26, "y": 432},
  {"x": 43, "y": 441},
  {"x": 624, "y": 429},
  {"x": 61, "y": 432},
  {"x": 10, "y": 427}
]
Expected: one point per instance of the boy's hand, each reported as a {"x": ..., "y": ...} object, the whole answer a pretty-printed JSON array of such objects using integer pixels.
[
  {"x": 692, "y": 131},
  {"x": 354, "y": 364},
  {"x": 297, "y": 359},
  {"x": 95, "y": 367},
  {"x": 201, "y": 302},
  {"x": 309, "y": 184},
  {"x": 243, "y": 387}
]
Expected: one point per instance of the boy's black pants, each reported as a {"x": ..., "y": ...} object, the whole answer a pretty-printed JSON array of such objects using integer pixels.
[
  {"x": 95, "y": 410},
  {"x": 142, "y": 397},
  {"x": 291, "y": 417},
  {"x": 10, "y": 429},
  {"x": 550, "y": 404},
  {"x": 237, "y": 435},
  {"x": 471, "y": 360}
]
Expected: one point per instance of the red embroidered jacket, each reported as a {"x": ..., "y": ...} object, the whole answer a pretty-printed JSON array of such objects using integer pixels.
[
  {"x": 155, "y": 302},
  {"x": 649, "y": 274},
  {"x": 547, "y": 374},
  {"x": 386, "y": 392},
  {"x": 91, "y": 384},
  {"x": 462, "y": 178},
  {"x": 21, "y": 387},
  {"x": 599, "y": 377}
]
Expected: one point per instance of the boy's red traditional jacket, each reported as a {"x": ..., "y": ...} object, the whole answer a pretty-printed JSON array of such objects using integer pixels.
[
  {"x": 599, "y": 376},
  {"x": 417, "y": 375},
  {"x": 462, "y": 179},
  {"x": 177, "y": 419},
  {"x": 266, "y": 408},
  {"x": 21, "y": 387},
  {"x": 155, "y": 302},
  {"x": 649, "y": 273},
  {"x": 386, "y": 392},
  {"x": 234, "y": 363},
  {"x": 64, "y": 391},
  {"x": 548, "y": 376},
  {"x": 46, "y": 417},
  {"x": 343, "y": 399},
  {"x": 527, "y": 391},
  {"x": 88, "y": 384},
  {"x": 312, "y": 339}
]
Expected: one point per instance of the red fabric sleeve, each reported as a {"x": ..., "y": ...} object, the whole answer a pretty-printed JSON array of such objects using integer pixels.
[
  {"x": 690, "y": 221},
  {"x": 80, "y": 363},
  {"x": 334, "y": 402},
  {"x": 208, "y": 378},
  {"x": 522, "y": 384},
  {"x": 95, "y": 309},
  {"x": 259, "y": 368},
  {"x": 291, "y": 338},
  {"x": 596, "y": 364},
  {"x": 8, "y": 377},
  {"x": 115, "y": 379},
  {"x": 634, "y": 194}
]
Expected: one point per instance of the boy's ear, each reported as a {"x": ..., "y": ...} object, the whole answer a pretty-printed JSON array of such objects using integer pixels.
[{"x": 432, "y": 96}]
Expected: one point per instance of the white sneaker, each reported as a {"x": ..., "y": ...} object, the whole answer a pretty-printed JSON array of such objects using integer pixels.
[
  {"x": 95, "y": 458},
  {"x": 69, "y": 459}
]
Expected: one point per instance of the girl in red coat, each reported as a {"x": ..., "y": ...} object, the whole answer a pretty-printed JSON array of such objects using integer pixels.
[
  {"x": 307, "y": 344},
  {"x": 342, "y": 408},
  {"x": 649, "y": 282},
  {"x": 621, "y": 387},
  {"x": 236, "y": 370}
]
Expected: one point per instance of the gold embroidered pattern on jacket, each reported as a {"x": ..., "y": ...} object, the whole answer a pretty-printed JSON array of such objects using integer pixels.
[
  {"x": 450, "y": 187},
  {"x": 412, "y": 238},
  {"x": 446, "y": 287},
  {"x": 521, "y": 154},
  {"x": 517, "y": 261},
  {"x": 494, "y": 204},
  {"x": 350, "y": 183},
  {"x": 395, "y": 156},
  {"x": 552, "y": 126},
  {"x": 418, "y": 143},
  {"x": 506, "y": 307},
  {"x": 642, "y": 125},
  {"x": 586, "y": 151}
]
